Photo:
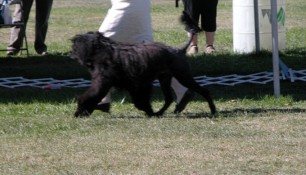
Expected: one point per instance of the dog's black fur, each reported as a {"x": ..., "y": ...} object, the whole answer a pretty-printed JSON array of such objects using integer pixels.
[{"x": 132, "y": 67}]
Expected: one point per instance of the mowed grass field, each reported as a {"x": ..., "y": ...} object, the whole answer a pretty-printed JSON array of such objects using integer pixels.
[{"x": 253, "y": 132}]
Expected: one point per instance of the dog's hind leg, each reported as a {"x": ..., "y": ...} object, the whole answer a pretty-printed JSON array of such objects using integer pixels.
[
  {"x": 187, "y": 80},
  {"x": 165, "y": 84},
  {"x": 141, "y": 98},
  {"x": 206, "y": 94}
]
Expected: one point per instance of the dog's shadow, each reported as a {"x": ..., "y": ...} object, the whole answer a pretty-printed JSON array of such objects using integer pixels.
[
  {"x": 221, "y": 114},
  {"x": 240, "y": 112},
  {"x": 256, "y": 112}
]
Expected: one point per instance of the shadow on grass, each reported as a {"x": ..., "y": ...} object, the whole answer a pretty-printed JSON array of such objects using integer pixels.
[
  {"x": 36, "y": 95},
  {"x": 221, "y": 114},
  {"x": 257, "y": 91},
  {"x": 221, "y": 64},
  {"x": 60, "y": 66},
  {"x": 67, "y": 96},
  {"x": 254, "y": 92},
  {"x": 239, "y": 112},
  {"x": 257, "y": 111}
]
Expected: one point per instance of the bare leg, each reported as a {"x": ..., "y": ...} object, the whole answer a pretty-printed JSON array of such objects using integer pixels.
[
  {"x": 106, "y": 99},
  {"x": 193, "y": 45},
  {"x": 210, "y": 38},
  {"x": 194, "y": 41}
]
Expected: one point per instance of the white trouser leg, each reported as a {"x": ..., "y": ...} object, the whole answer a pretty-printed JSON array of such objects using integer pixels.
[
  {"x": 107, "y": 98},
  {"x": 179, "y": 89}
]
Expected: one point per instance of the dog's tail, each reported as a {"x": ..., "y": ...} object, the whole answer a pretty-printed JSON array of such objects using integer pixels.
[{"x": 191, "y": 26}]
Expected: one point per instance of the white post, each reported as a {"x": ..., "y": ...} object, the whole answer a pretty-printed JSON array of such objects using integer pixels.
[{"x": 276, "y": 80}]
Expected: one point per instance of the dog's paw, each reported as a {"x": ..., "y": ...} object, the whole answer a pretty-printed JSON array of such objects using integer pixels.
[
  {"x": 153, "y": 114},
  {"x": 158, "y": 114},
  {"x": 81, "y": 113},
  {"x": 188, "y": 96},
  {"x": 213, "y": 109},
  {"x": 105, "y": 107}
]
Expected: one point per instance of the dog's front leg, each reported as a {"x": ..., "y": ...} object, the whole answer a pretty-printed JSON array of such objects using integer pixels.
[
  {"x": 141, "y": 98},
  {"x": 88, "y": 101}
]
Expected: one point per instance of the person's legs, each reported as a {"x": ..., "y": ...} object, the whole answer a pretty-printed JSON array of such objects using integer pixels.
[
  {"x": 209, "y": 23},
  {"x": 17, "y": 32},
  {"x": 43, "y": 9},
  {"x": 208, "y": 14},
  {"x": 191, "y": 8}
]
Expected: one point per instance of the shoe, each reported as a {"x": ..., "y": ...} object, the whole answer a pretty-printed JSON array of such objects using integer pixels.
[
  {"x": 104, "y": 107},
  {"x": 188, "y": 96},
  {"x": 11, "y": 53},
  {"x": 210, "y": 49},
  {"x": 192, "y": 50},
  {"x": 44, "y": 53}
]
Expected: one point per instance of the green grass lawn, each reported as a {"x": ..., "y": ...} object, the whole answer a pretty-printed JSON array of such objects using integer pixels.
[{"x": 253, "y": 132}]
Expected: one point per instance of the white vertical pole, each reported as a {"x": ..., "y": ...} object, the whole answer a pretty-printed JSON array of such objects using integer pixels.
[{"x": 276, "y": 80}]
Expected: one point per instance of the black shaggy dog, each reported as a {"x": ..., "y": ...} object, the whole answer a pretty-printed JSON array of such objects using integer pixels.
[{"x": 132, "y": 67}]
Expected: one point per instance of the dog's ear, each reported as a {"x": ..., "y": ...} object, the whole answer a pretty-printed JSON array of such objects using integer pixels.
[
  {"x": 101, "y": 44},
  {"x": 74, "y": 53},
  {"x": 101, "y": 41},
  {"x": 91, "y": 47},
  {"x": 82, "y": 49},
  {"x": 97, "y": 44},
  {"x": 96, "y": 40}
]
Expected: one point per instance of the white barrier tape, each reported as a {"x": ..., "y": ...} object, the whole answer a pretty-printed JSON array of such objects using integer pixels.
[{"x": 228, "y": 80}]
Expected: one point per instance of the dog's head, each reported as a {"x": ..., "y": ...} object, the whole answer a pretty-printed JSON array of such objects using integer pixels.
[{"x": 86, "y": 46}]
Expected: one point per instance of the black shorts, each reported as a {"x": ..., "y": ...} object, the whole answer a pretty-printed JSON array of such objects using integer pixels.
[{"x": 206, "y": 9}]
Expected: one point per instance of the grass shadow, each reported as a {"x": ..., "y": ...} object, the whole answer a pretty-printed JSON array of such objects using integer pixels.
[
  {"x": 58, "y": 66},
  {"x": 258, "y": 111}
]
